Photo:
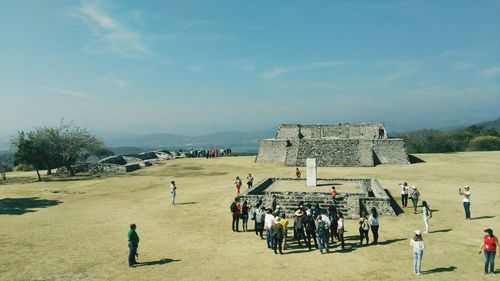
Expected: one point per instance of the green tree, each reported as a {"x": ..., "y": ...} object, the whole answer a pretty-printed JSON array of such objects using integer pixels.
[
  {"x": 485, "y": 143},
  {"x": 30, "y": 150}
]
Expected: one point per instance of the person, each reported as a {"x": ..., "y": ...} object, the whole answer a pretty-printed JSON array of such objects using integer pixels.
[
  {"x": 374, "y": 224},
  {"x": 414, "y": 197},
  {"x": 133, "y": 244},
  {"x": 237, "y": 182},
  {"x": 269, "y": 220},
  {"x": 466, "y": 201},
  {"x": 490, "y": 245},
  {"x": 417, "y": 244},
  {"x": 244, "y": 216},
  {"x": 381, "y": 132},
  {"x": 332, "y": 214},
  {"x": 235, "y": 210},
  {"x": 404, "y": 194},
  {"x": 333, "y": 193},
  {"x": 426, "y": 211},
  {"x": 322, "y": 234},
  {"x": 284, "y": 222},
  {"x": 249, "y": 181},
  {"x": 278, "y": 236},
  {"x": 297, "y": 173},
  {"x": 274, "y": 203},
  {"x": 340, "y": 230},
  {"x": 173, "y": 191},
  {"x": 260, "y": 217},
  {"x": 310, "y": 226},
  {"x": 298, "y": 226},
  {"x": 364, "y": 227}
]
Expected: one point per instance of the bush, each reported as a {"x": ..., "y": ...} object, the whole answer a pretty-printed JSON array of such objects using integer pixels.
[
  {"x": 485, "y": 143},
  {"x": 23, "y": 168}
]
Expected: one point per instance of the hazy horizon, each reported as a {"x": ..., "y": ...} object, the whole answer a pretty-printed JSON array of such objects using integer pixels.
[{"x": 195, "y": 67}]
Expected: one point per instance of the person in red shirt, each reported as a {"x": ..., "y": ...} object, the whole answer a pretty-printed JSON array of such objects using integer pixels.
[
  {"x": 490, "y": 245},
  {"x": 333, "y": 193}
]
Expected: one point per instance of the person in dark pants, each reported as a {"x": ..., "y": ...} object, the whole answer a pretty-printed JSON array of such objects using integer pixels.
[
  {"x": 133, "y": 244},
  {"x": 466, "y": 194},
  {"x": 260, "y": 217},
  {"x": 298, "y": 227},
  {"x": 363, "y": 230},
  {"x": 404, "y": 194},
  {"x": 310, "y": 226},
  {"x": 490, "y": 245},
  {"x": 415, "y": 194},
  {"x": 278, "y": 236},
  {"x": 340, "y": 230},
  {"x": 235, "y": 211},
  {"x": 374, "y": 224}
]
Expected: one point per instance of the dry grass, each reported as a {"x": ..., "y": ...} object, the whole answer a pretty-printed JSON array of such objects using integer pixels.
[{"x": 76, "y": 230}]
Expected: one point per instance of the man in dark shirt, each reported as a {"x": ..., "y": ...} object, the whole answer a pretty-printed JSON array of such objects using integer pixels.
[{"x": 133, "y": 243}]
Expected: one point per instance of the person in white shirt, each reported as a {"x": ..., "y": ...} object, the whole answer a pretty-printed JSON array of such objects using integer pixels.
[
  {"x": 427, "y": 214},
  {"x": 374, "y": 224},
  {"x": 404, "y": 194},
  {"x": 340, "y": 230},
  {"x": 466, "y": 194},
  {"x": 417, "y": 244},
  {"x": 173, "y": 191},
  {"x": 268, "y": 222}
]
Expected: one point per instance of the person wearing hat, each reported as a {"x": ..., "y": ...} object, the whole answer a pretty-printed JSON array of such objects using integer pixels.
[
  {"x": 466, "y": 194},
  {"x": 490, "y": 245},
  {"x": 278, "y": 236},
  {"x": 298, "y": 227},
  {"x": 417, "y": 244}
]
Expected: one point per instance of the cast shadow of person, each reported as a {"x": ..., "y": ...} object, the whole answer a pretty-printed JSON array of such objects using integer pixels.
[
  {"x": 440, "y": 269},
  {"x": 157, "y": 262}
]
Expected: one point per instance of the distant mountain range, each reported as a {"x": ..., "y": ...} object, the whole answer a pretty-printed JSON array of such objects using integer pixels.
[{"x": 495, "y": 124}]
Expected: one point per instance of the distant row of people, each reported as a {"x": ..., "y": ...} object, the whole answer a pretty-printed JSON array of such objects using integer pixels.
[{"x": 210, "y": 153}]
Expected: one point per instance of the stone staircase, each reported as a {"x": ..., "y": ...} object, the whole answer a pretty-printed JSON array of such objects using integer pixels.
[{"x": 289, "y": 201}]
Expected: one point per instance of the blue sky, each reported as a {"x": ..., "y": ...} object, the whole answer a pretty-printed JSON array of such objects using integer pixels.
[{"x": 193, "y": 67}]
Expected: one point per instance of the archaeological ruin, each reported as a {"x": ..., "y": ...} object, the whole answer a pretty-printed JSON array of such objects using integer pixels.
[{"x": 347, "y": 145}]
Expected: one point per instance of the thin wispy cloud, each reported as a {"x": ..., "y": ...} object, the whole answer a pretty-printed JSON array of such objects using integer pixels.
[
  {"x": 115, "y": 81},
  {"x": 110, "y": 34},
  {"x": 278, "y": 71},
  {"x": 65, "y": 92},
  {"x": 492, "y": 71}
]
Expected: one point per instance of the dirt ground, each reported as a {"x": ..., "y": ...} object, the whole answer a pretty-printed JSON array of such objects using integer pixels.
[{"x": 76, "y": 229}]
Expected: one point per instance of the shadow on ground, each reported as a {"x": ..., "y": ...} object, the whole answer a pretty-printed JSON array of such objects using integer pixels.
[
  {"x": 395, "y": 206},
  {"x": 440, "y": 269},
  {"x": 414, "y": 159},
  {"x": 442, "y": 230},
  {"x": 158, "y": 262},
  {"x": 483, "y": 217},
  {"x": 20, "y": 206},
  {"x": 187, "y": 203}
]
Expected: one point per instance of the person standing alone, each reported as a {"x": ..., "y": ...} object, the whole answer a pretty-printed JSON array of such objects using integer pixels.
[
  {"x": 173, "y": 191},
  {"x": 250, "y": 181},
  {"x": 417, "y": 243},
  {"x": 490, "y": 245},
  {"x": 466, "y": 194},
  {"x": 133, "y": 244},
  {"x": 237, "y": 182}
]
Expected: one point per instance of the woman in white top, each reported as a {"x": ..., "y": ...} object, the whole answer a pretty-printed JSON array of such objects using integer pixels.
[
  {"x": 373, "y": 221},
  {"x": 427, "y": 214},
  {"x": 173, "y": 191},
  {"x": 466, "y": 194},
  {"x": 340, "y": 230},
  {"x": 417, "y": 244},
  {"x": 404, "y": 194}
]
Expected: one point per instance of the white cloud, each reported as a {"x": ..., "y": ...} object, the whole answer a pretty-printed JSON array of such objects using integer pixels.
[
  {"x": 492, "y": 71},
  {"x": 112, "y": 35},
  {"x": 65, "y": 92},
  {"x": 278, "y": 71}
]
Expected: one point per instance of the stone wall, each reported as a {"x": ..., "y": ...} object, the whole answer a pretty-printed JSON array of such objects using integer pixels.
[
  {"x": 390, "y": 151},
  {"x": 334, "y": 152},
  {"x": 340, "y": 131},
  {"x": 272, "y": 150},
  {"x": 92, "y": 168}
]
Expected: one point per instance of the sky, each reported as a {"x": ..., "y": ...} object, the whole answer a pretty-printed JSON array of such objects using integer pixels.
[{"x": 195, "y": 67}]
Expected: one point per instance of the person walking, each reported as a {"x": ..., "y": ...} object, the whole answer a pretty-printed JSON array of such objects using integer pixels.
[
  {"x": 466, "y": 200},
  {"x": 427, "y": 214},
  {"x": 269, "y": 220},
  {"x": 133, "y": 244},
  {"x": 278, "y": 236},
  {"x": 364, "y": 227},
  {"x": 490, "y": 246},
  {"x": 238, "y": 183},
  {"x": 374, "y": 224},
  {"x": 415, "y": 194},
  {"x": 235, "y": 211},
  {"x": 404, "y": 194},
  {"x": 244, "y": 216},
  {"x": 297, "y": 173},
  {"x": 249, "y": 181},
  {"x": 340, "y": 230},
  {"x": 417, "y": 244},
  {"x": 173, "y": 191}
]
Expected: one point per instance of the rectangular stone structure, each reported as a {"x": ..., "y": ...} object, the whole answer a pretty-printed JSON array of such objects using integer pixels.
[{"x": 311, "y": 172}]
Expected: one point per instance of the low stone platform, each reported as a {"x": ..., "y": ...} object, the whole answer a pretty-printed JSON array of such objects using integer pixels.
[{"x": 354, "y": 196}]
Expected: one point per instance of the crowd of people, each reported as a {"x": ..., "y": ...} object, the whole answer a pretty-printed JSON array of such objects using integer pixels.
[{"x": 210, "y": 153}]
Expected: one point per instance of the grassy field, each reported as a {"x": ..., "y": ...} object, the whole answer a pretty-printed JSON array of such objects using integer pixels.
[{"x": 76, "y": 229}]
